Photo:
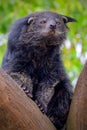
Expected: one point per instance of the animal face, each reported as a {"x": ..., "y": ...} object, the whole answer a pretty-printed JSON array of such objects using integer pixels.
[
  {"x": 48, "y": 28},
  {"x": 48, "y": 24},
  {"x": 41, "y": 29}
]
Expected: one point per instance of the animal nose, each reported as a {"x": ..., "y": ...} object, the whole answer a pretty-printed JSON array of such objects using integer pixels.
[{"x": 52, "y": 26}]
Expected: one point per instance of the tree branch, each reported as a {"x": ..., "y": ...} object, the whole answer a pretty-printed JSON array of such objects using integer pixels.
[
  {"x": 77, "y": 119},
  {"x": 17, "y": 111}
]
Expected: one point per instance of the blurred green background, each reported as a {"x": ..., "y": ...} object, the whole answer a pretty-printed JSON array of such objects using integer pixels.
[{"x": 74, "y": 50}]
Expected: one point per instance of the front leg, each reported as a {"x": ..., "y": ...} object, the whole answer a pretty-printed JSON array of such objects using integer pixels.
[
  {"x": 44, "y": 94},
  {"x": 24, "y": 81},
  {"x": 59, "y": 106}
]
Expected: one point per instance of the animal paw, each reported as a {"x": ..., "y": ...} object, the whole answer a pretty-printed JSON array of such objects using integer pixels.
[
  {"x": 27, "y": 90},
  {"x": 41, "y": 106}
]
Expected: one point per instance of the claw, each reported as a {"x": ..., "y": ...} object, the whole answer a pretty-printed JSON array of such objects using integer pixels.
[
  {"x": 37, "y": 102},
  {"x": 42, "y": 109},
  {"x": 40, "y": 106},
  {"x": 29, "y": 95},
  {"x": 23, "y": 87},
  {"x": 27, "y": 92}
]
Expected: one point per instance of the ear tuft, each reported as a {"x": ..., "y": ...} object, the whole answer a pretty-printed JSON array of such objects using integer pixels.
[
  {"x": 68, "y": 19},
  {"x": 30, "y": 20}
]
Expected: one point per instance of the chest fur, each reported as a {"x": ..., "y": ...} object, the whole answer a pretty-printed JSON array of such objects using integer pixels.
[{"x": 43, "y": 62}]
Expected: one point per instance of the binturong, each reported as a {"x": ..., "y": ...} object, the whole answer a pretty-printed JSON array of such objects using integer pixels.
[{"x": 33, "y": 60}]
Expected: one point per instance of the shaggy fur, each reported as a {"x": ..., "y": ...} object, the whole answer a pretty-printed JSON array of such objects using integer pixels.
[{"x": 33, "y": 60}]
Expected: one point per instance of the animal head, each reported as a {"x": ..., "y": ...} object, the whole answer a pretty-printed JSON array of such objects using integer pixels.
[{"x": 40, "y": 28}]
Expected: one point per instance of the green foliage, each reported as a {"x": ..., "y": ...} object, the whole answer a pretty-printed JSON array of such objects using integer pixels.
[
  {"x": 2, "y": 50},
  {"x": 11, "y": 10}
]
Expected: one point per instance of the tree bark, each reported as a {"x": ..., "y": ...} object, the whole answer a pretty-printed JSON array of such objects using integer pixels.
[
  {"x": 77, "y": 119},
  {"x": 17, "y": 111}
]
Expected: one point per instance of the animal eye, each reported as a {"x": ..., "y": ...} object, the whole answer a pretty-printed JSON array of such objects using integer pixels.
[
  {"x": 43, "y": 21},
  {"x": 58, "y": 22}
]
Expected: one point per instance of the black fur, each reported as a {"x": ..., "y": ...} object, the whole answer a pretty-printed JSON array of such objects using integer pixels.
[{"x": 33, "y": 59}]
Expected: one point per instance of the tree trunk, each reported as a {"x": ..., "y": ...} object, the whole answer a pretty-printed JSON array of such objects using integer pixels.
[
  {"x": 77, "y": 119},
  {"x": 17, "y": 111}
]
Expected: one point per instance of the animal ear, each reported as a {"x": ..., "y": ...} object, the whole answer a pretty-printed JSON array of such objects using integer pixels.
[
  {"x": 30, "y": 20},
  {"x": 68, "y": 19}
]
